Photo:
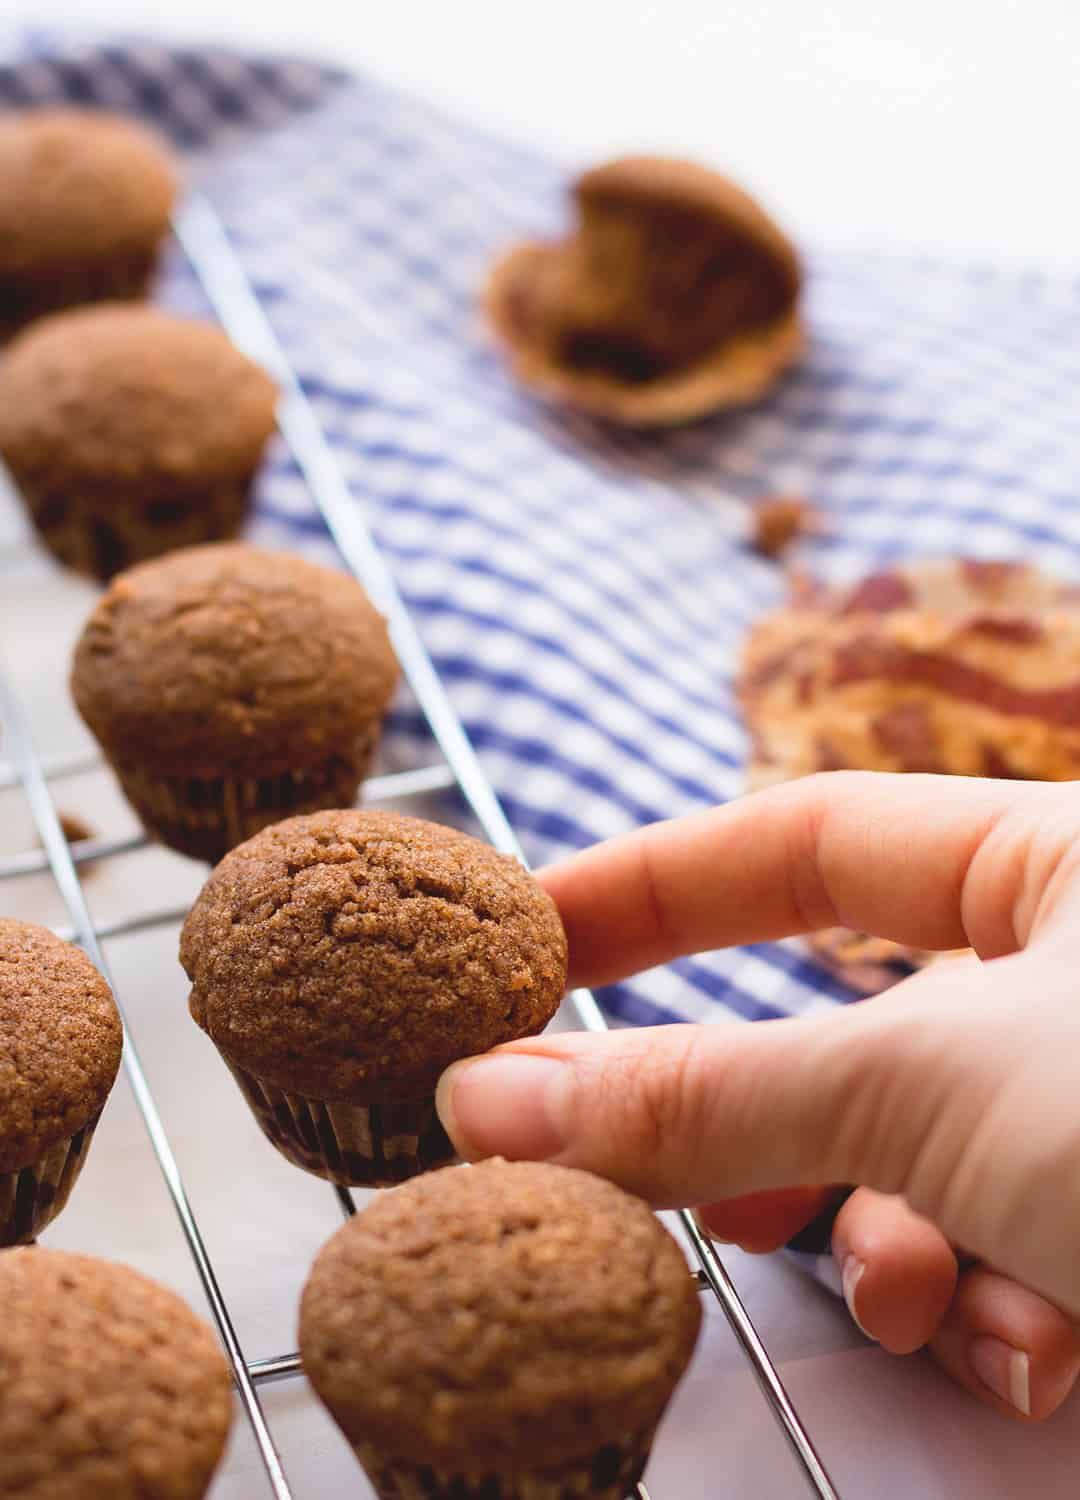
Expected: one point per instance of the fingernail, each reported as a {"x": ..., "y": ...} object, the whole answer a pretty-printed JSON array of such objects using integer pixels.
[
  {"x": 1007, "y": 1371},
  {"x": 509, "y": 1104},
  {"x": 852, "y": 1270},
  {"x": 701, "y": 1219}
]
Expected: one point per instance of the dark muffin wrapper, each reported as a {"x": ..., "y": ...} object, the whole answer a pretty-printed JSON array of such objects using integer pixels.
[
  {"x": 99, "y": 535},
  {"x": 33, "y": 1196},
  {"x": 353, "y": 1145},
  {"x": 206, "y": 817},
  {"x": 611, "y": 1474},
  {"x": 120, "y": 278}
]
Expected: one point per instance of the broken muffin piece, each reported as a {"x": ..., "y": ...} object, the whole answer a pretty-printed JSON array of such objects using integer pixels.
[
  {"x": 955, "y": 667},
  {"x": 676, "y": 296}
]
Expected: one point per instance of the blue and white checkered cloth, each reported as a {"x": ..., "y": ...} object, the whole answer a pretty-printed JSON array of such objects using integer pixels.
[{"x": 584, "y": 592}]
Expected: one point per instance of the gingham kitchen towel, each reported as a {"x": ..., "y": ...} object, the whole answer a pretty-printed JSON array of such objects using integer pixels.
[{"x": 584, "y": 592}]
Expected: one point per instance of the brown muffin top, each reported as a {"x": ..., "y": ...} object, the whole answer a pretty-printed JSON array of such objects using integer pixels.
[
  {"x": 113, "y": 1388},
  {"x": 124, "y": 394},
  {"x": 355, "y": 955},
  {"x": 79, "y": 186},
  {"x": 231, "y": 659},
  {"x": 510, "y": 1314},
  {"x": 60, "y": 1042}
]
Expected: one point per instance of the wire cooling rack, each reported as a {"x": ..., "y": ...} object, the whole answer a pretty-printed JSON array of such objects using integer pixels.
[{"x": 225, "y": 283}]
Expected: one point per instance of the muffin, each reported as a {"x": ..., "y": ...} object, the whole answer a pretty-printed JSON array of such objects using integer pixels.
[
  {"x": 957, "y": 667},
  {"x": 60, "y": 1044},
  {"x": 675, "y": 296},
  {"x": 230, "y": 686},
  {"x": 130, "y": 432},
  {"x": 85, "y": 201},
  {"x": 511, "y": 1331},
  {"x": 341, "y": 961},
  {"x": 113, "y": 1388}
]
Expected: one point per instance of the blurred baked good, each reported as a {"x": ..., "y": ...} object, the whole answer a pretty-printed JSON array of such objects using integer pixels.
[
  {"x": 962, "y": 668},
  {"x": 230, "y": 687},
  {"x": 130, "y": 432},
  {"x": 85, "y": 201},
  {"x": 675, "y": 296}
]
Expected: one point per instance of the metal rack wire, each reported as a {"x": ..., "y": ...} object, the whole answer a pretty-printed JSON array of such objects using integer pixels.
[{"x": 221, "y": 274}]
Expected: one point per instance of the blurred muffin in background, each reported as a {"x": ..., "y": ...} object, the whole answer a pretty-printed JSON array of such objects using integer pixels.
[
  {"x": 130, "y": 432},
  {"x": 230, "y": 687},
  {"x": 676, "y": 296},
  {"x": 85, "y": 201},
  {"x": 960, "y": 668}
]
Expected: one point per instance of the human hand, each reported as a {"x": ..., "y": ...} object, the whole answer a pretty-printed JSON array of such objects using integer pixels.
[{"x": 952, "y": 1101}]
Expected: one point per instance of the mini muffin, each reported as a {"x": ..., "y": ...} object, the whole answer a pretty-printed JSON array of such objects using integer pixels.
[
  {"x": 113, "y": 1388},
  {"x": 85, "y": 201},
  {"x": 130, "y": 432},
  {"x": 230, "y": 686},
  {"x": 961, "y": 668},
  {"x": 511, "y": 1331},
  {"x": 676, "y": 296},
  {"x": 60, "y": 1044},
  {"x": 341, "y": 961}
]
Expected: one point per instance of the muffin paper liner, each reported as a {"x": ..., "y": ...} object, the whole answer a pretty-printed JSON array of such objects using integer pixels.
[
  {"x": 206, "y": 817},
  {"x": 32, "y": 1197},
  {"x": 121, "y": 278},
  {"x": 610, "y": 1474},
  {"x": 99, "y": 534},
  {"x": 354, "y": 1145}
]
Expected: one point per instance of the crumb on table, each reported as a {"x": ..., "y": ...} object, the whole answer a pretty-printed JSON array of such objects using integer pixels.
[{"x": 778, "y": 520}]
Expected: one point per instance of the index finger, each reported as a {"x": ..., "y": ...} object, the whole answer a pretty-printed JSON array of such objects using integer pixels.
[{"x": 895, "y": 855}]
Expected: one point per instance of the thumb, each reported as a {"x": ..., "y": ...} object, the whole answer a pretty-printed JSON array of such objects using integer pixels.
[{"x": 688, "y": 1114}]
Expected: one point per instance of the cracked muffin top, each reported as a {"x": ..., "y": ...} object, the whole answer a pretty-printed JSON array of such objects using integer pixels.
[
  {"x": 354, "y": 955},
  {"x": 516, "y": 1312},
  {"x": 60, "y": 1042},
  {"x": 232, "y": 658},
  {"x": 113, "y": 1388}
]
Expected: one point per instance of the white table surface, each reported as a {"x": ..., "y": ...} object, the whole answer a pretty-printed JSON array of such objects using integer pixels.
[{"x": 934, "y": 125}]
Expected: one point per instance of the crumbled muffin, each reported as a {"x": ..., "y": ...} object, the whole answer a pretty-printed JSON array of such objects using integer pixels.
[
  {"x": 960, "y": 668},
  {"x": 676, "y": 296}
]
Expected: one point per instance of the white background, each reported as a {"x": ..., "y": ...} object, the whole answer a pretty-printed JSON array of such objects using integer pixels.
[{"x": 944, "y": 123}]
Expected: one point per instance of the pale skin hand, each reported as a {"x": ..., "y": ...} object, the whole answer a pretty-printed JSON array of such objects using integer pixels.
[{"x": 953, "y": 1100}]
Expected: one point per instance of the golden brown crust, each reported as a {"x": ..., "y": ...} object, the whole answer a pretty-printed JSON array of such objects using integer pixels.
[
  {"x": 959, "y": 668},
  {"x": 232, "y": 660},
  {"x": 113, "y": 1388},
  {"x": 78, "y": 186},
  {"x": 510, "y": 1314},
  {"x": 60, "y": 1042},
  {"x": 676, "y": 296},
  {"x": 354, "y": 955},
  {"x": 132, "y": 399}
]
